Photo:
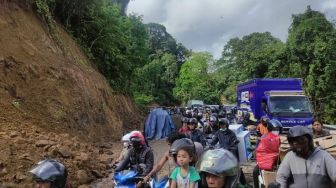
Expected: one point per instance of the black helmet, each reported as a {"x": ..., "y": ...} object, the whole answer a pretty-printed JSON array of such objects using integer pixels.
[
  {"x": 273, "y": 124},
  {"x": 219, "y": 162},
  {"x": 52, "y": 171},
  {"x": 185, "y": 120},
  {"x": 193, "y": 121},
  {"x": 181, "y": 143},
  {"x": 224, "y": 121}
]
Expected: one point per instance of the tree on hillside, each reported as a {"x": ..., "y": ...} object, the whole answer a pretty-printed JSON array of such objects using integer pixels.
[
  {"x": 154, "y": 82},
  {"x": 256, "y": 55},
  {"x": 311, "y": 46},
  {"x": 195, "y": 82},
  {"x": 162, "y": 42}
]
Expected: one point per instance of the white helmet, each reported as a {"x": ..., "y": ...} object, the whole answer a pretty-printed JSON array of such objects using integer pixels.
[{"x": 126, "y": 137}]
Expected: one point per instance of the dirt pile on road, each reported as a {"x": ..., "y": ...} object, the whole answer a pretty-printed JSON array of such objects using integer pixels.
[{"x": 53, "y": 102}]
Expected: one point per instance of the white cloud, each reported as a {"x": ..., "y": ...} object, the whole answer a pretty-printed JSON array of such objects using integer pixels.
[{"x": 209, "y": 24}]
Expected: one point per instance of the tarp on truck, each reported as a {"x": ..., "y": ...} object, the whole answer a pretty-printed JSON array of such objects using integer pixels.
[{"x": 159, "y": 124}]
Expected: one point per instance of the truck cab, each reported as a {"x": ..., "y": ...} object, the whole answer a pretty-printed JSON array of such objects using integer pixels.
[
  {"x": 289, "y": 107},
  {"x": 281, "y": 99}
]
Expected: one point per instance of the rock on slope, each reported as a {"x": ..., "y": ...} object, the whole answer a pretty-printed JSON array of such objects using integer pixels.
[{"x": 53, "y": 102}]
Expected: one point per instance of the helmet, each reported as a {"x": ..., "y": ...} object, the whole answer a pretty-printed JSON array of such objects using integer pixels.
[
  {"x": 193, "y": 121},
  {"x": 185, "y": 120},
  {"x": 50, "y": 170},
  {"x": 219, "y": 162},
  {"x": 224, "y": 121},
  {"x": 199, "y": 115},
  {"x": 137, "y": 139},
  {"x": 126, "y": 137},
  {"x": 273, "y": 124},
  {"x": 181, "y": 143},
  {"x": 213, "y": 119},
  {"x": 297, "y": 131}
]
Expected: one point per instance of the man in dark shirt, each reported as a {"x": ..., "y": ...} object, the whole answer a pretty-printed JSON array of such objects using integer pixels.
[
  {"x": 140, "y": 157},
  {"x": 196, "y": 135},
  {"x": 227, "y": 139}
]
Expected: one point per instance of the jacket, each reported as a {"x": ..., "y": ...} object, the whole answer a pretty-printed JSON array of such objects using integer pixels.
[
  {"x": 225, "y": 138},
  {"x": 141, "y": 161},
  {"x": 318, "y": 170},
  {"x": 197, "y": 136}
]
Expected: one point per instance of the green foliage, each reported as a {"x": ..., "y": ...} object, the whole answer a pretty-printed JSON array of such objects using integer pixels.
[
  {"x": 256, "y": 55},
  {"x": 42, "y": 8},
  {"x": 195, "y": 81},
  {"x": 311, "y": 47},
  {"x": 157, "y": 80},
  {"x": 142, "y": 100},
  {"x": 161, "y": 42}
]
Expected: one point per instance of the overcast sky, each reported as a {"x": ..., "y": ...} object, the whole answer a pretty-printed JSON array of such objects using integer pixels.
[{"x": 206, "y": 25}]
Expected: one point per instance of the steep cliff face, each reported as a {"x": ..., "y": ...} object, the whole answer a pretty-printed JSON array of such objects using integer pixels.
[{"x": 50, "y": 91}]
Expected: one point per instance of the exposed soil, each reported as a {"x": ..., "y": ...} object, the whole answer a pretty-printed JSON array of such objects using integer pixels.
[{"x": 53, "y": 102}]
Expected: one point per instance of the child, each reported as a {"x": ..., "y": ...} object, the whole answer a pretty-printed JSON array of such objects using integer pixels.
[{"x": 184, "y": 176}]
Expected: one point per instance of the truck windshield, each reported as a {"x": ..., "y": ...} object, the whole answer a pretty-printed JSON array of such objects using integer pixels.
[{"x": 290, "y": 106}]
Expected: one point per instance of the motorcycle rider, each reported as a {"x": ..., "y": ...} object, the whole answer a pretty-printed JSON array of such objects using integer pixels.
[
  {"x": 227, "y": 138},
  {"x": 306, "y": 165},
  {"x": 268, "y": 150},
  {"x": 50, "y": 173},
  {"x": 219, "y": 168},
  {"x": 139, "y": 158},
  {"x": 184, "y": 129},
  {"x": 196, "y": 135},
  {"x": 212, "y": 125}
]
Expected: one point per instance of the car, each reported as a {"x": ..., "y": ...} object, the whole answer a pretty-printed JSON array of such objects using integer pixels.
[{"x": 195, "y": 103}]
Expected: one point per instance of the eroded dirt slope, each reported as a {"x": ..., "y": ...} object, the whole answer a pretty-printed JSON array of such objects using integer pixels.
[{"x": 52, "y": 101}]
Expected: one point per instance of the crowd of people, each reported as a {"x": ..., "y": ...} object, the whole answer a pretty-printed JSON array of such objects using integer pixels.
[{"x": 203, "y": 152}]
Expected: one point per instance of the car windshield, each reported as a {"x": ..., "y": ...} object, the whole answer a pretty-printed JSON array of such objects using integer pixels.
[{"x": 286, "y": 105}]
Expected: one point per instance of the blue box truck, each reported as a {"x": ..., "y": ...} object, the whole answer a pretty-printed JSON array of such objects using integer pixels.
[{"x": 276, "y": 98}]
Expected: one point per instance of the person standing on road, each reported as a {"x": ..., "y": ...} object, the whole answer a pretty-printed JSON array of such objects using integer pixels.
[
  {"x": 306, "y": 166},
  {"x": 196, "y": 135}
]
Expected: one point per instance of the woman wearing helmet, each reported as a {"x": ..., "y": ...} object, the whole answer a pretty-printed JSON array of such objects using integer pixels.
[
  {"x": 219, "y": 168},
  {"x": 126, "y": 147},
  {"x": 50, "y": 173}
]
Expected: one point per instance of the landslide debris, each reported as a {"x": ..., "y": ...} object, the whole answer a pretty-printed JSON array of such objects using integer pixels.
[{"x": 53, "y": 103}]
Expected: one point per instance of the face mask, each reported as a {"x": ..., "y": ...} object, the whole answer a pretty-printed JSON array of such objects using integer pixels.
[
  {"x": 126, "y": 144},
  {"x": 275, "y": 132},
  {"x": 222, "y": 129}
]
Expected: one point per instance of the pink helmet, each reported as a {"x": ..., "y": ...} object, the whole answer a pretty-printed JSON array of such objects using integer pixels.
[{"x": 137, "y": 137}]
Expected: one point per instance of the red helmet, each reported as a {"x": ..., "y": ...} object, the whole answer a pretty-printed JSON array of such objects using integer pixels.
[{"x": 137, "y": 138}]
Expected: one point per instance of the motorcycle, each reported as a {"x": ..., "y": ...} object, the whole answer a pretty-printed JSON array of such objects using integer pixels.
[
  {"x": 130, "y": 178},
  {"x": 126, "y": 179}
]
